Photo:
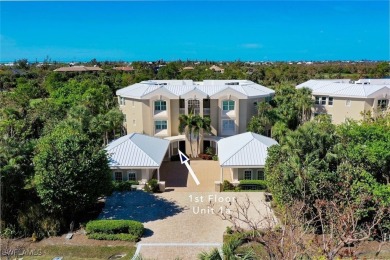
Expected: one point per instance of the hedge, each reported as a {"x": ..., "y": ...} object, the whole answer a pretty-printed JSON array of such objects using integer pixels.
[
  {"x": 123, "y": 237},
  {"x": 123, "y": 185},
  {"x": 131, "y": 227},
  {"x": 260, "y": 184}
]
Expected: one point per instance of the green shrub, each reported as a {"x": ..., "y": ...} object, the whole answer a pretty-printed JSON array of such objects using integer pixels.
[
  {"x": 227, "y": 185},
  {"x": 253, "y": 184},
  {"x": 153, "y": 185},
  {"x": 34, "y": 220},
  {"x": 209, "y": 151},
  {"x": 123, "y": 185},
  {"x": 215, "y": 157},
  {"x": 131, "y": 227},
  {"x": 9, "y": 232},
  {"x": 123, "y": 237}
]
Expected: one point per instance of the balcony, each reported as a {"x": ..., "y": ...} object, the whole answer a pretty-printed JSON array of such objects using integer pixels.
[
  {"x": 206, "y": 111},
  {"x": 182, "y": 111}
]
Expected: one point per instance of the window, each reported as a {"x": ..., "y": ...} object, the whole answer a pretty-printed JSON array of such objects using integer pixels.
[
  {"x": 132, "y": 176},
  {"x": 160, "y": 105},
  {"x": 122, "y": 101},
  {"x": 330, "y": 101},
  {"x": 247, "y": 175},
  {"x": 193, "y": 106},
  {"x": 160, "y": 125},
  {"x": 348, "y": 102},
  {"x": 134, "y": 123},
  {"x": 181, "y": 103},
  {"x": 228, "y": 105},
  {"x": 322, "y": 101},
  {"x": 260, "y": 175},
  {"x": 228, "y": 125},
  {"x": 382, "y": 103},
  {"x": 118, "y": 176},
  {"x": 268, "y": 99}
]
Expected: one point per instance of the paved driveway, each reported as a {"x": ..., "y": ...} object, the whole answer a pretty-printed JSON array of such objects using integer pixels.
[
  {"x": 177, "y": 178},
  {"x": 178, "y": 224}
]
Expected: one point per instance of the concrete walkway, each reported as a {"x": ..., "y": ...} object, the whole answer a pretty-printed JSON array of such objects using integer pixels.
[{"x": 177, "y": 178}]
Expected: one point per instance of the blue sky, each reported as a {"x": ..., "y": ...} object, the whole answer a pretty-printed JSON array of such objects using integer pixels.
[{"x": 195, "y": 30}]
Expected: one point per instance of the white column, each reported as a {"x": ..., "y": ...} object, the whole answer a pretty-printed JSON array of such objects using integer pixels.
[
  {"x": 185, "y": 106},
  {"x": 158, "y": 174},
  {"x": 221, "y": 175}
]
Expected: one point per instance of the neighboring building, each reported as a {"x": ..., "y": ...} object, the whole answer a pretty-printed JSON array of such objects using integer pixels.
[
  {"x": 78, "y": 69},
  {"x": 217, "y": 69},
  {"x": 245, "y": 155},
  {"x": 136, "y": 157},
  {"x": 344, "y": 99},
  {"x": 188, "y": 68},
  {"x": 153, "y": 107},
  {"x": 124, "y": 68}
]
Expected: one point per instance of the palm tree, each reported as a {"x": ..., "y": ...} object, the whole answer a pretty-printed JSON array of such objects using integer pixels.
[
  {"x": 304, "y": 103},
  {"x": 192, "y": 125},
  {"x": 186, "y": 125},
  {"x": 202, "y": 125}
]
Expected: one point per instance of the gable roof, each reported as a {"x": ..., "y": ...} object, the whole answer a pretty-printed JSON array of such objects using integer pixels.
[
  {"x": 244, "y": 150},
  {"x": 137, "y": 150},
  {"x": 343, "y": 88},
  {"x": 180, "y": 87}
]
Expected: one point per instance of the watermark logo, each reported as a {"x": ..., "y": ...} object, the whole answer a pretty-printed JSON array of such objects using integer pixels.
[{"x": 20, "y": 252}]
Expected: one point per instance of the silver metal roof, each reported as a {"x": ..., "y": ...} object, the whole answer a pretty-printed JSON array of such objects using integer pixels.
[
  {"x": 342, "y": 88},
  {"x": 244, "y": 150},
  {"x": 181, "y": 87},
  {"x": 137, "y": 150}
]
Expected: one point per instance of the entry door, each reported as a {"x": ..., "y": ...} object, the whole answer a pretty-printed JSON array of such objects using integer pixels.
[{"x": 182, "y": 146}]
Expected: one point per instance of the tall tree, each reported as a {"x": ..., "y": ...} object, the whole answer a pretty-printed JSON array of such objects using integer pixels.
[
  {"x": 193, "y": 125},
  {"x": 71, "y": 172}
]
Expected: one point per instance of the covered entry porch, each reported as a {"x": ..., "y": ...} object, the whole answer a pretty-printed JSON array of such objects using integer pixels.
[{"x": 180, "y": 142}]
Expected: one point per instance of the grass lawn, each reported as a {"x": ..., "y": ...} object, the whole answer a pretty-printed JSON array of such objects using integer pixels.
[{"x": 83, "y": 252}]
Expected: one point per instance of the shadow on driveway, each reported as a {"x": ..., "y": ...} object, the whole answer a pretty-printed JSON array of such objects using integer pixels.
[{"x": 138, "y": 205}]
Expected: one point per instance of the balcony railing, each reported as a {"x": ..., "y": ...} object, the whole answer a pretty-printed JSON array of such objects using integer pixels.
[
  {"x": 206, "y": 111},
  {"x": 182, "y": 111}
]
